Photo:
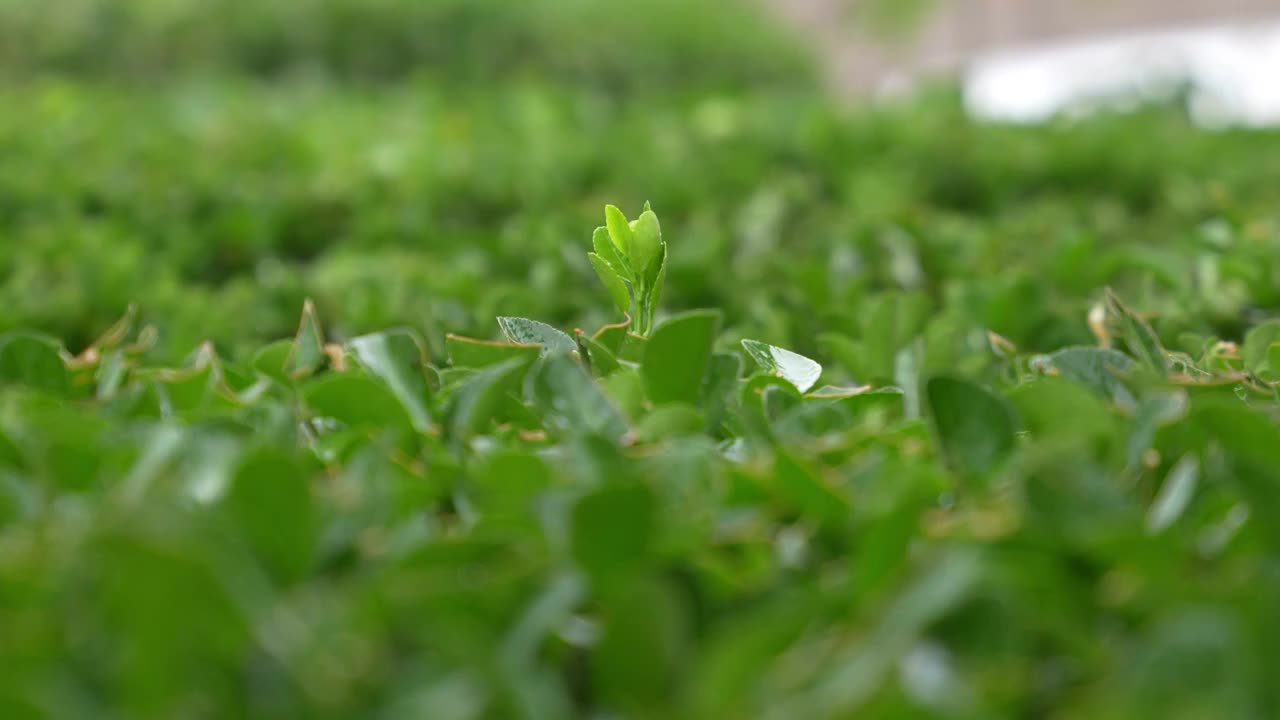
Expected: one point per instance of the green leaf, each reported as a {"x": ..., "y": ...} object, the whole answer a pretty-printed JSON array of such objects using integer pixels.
[
  {"x": 603, "y": 247},
  {"x": 617, "y": 288},
  {"x": 612, "y": 530},
  {"x": 480, "y": 397},
  {"x": 397, "y": 358},
  {"x": 187, "y": 391},
  {"x": 34, "y": 361},
  {"x": 270, "y": 360},
  {"x": 619, "y": 230},
  {"x": 571, "y": 401},
  {"x": 119, "y": 331},
  {"x": 1138, "y": 335},
  {"x": 1056, "y": 407},
  {"x": 270, "y": 502},
  {"x": 836, "y": 392},
  {"x": 795, "y": 368},
  {"x": 765, "y": 399},
  {"x": 1096, "y": 368},
  {"x": 1257, "y": 347},
  {"x": 677, "y": 356},
  {"x": 613, "y": 336},
  {"x": 307, "y": 353},
  {"x": 647, "y": 248},
  {"x": 467, "y": 352},
  {"x": 602, "y": 360},
  {"x": 531, "y": 332},
  {"x": 975, "y": 428},
  {"x": 355, "y": 401}
]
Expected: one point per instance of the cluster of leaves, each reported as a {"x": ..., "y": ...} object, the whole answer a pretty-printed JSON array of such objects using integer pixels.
[
  {"x": 630, "y": 258},
  {"x": 665, "y": 521}
]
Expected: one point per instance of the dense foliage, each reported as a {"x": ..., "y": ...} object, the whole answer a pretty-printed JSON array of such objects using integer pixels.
[
  {"x": 889, "y": 415},
  {"x": 219, "y": 208}
]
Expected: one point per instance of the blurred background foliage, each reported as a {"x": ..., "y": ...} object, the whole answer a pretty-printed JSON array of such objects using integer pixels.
[{"x": 612, "y": 47}]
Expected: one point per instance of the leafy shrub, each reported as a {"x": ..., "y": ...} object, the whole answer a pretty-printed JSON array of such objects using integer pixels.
[{"x": 650, "y": 521}]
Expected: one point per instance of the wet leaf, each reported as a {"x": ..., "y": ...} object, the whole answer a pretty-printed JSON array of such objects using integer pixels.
[{"x": 531, "y": 332}]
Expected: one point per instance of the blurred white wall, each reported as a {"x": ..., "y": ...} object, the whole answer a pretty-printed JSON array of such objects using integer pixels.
[
  {"x": 1231, "y": 72},
  {"x": 1022, "y": 60}
]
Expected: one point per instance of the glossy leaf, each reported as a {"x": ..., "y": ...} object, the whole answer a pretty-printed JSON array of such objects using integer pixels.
[
  {"x": 531, "y": 332},
  {"x": 792, "y": 367}
]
